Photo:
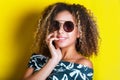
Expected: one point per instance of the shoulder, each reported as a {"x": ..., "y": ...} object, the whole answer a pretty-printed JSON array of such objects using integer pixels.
[
  {"x": 38, "y": 58},
  {"x": 35, "y": 55},
  {"x": 85, "y": 61},
  {"x": 37, "y": 61}
]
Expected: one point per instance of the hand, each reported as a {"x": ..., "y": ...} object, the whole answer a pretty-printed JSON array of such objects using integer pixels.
[{"x": 54, "y": 49}]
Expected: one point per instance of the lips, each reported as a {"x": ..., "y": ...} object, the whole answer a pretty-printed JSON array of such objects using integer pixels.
[{"x": 61, "y": 38}]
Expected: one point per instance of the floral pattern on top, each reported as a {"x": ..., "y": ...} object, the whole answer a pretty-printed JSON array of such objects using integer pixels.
[{"x": 63, "y": 71}]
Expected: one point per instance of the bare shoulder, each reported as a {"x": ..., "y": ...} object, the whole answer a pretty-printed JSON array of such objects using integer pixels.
[{"x": 85, "y": 61}]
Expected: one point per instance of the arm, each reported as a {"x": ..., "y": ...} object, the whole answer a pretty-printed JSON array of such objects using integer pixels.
[{"x": 43, "y": 73}]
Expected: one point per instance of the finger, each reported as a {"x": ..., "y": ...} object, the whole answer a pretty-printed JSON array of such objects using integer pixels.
[
  {"x": 53, "y": 39},
  {"x": 55, "y": 33},
  {"x": 48, "y": 37}
]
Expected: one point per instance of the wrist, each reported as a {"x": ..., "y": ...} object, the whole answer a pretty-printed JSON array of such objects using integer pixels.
[{"x": 54, "y": 60}]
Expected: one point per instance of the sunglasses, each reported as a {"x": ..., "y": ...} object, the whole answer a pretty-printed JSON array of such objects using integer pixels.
[{"x": 68, "y": 26}]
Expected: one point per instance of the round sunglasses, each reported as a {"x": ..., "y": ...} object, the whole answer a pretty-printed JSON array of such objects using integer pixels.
[{"x": 68, "y": 26}]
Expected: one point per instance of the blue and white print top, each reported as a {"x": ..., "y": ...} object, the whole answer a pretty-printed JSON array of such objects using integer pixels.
[{"x": 63, "y": 71}]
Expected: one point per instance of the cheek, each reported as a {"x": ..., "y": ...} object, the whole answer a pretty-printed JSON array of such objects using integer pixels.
[
  {"x": 73, "y": 37},
  {"x": 74, "y": 34}
]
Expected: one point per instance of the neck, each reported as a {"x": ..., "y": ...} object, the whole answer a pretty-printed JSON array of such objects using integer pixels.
[{"x": 68, "y": 53}]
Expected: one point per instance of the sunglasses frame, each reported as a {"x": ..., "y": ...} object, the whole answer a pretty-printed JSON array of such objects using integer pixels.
[{"x": 68, "y": 26}]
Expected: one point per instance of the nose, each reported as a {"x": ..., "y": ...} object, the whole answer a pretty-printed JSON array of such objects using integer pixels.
[{"x": 61, "y": 30}]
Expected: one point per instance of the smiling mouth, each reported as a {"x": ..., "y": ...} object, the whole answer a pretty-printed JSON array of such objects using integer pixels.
[{"x": 62, "y": 38}]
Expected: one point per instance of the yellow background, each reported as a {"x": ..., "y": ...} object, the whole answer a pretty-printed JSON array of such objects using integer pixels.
[{"x": 18, "y": 19}]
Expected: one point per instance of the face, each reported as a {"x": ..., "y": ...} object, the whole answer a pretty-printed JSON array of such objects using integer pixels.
[{"x": 66, "y": 29}]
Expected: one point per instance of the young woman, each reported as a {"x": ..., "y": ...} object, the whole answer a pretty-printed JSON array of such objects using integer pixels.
[{"x": 66, "y": 36}]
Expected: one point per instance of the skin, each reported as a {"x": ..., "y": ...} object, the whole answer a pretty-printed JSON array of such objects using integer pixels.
[{"x": 64, "y": 49}]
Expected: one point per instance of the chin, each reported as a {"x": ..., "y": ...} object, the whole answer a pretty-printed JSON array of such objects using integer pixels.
[{"x": 62, "y": 45}]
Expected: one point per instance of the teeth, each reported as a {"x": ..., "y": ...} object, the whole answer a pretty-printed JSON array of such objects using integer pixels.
[{"x": 61, "y": 38}]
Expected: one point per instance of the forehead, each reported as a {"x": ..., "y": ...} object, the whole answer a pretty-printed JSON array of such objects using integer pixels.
[{"x": 65, "y": 16}]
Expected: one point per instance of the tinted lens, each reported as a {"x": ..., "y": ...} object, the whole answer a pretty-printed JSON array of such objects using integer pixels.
[{"x": 68, "y": 26}]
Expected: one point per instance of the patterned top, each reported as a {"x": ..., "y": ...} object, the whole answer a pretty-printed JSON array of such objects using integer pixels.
[{"x": 63, "y": 71}]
